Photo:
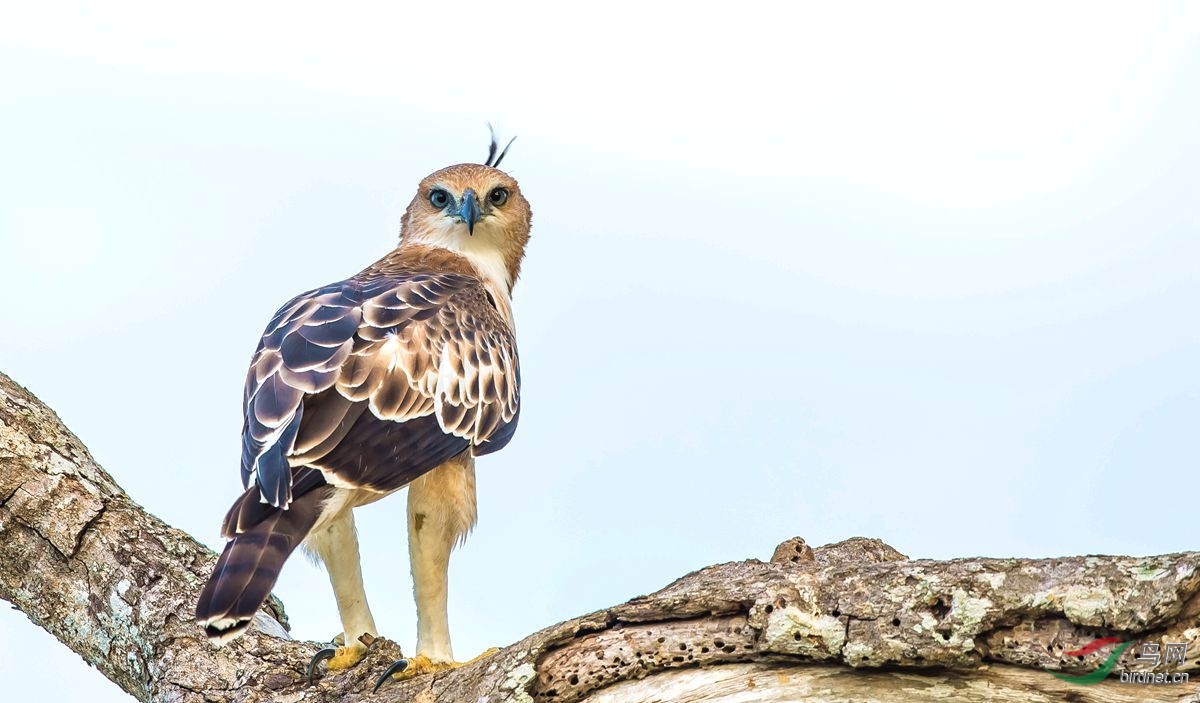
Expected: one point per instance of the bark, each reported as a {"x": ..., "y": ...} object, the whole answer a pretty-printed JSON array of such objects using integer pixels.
[{"x": 851, "y": 621}]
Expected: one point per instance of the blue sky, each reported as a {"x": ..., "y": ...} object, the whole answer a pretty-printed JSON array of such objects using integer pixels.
[{"x": 926, "y": 274}]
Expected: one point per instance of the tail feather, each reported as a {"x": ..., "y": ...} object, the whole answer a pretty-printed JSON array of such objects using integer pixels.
[{"x": 248, "y": 568}]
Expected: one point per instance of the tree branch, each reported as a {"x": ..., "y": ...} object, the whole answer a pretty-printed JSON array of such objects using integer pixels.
[{"x": 855, "y": 620}]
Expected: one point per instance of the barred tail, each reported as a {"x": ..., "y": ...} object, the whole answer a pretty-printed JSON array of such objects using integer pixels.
[{"x": 263, "y": 537}]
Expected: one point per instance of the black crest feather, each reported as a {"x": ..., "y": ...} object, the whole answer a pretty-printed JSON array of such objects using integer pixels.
[{"x": 494, "y": 146}]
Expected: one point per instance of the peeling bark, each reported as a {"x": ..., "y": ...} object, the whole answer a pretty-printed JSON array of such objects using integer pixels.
[{"x": 851, "y": 621}]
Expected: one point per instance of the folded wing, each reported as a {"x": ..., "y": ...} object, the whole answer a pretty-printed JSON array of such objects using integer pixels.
[{"x": 377, "y": 381}]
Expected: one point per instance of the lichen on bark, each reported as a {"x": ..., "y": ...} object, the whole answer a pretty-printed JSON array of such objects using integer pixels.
[{"x": 854, "y": 620}]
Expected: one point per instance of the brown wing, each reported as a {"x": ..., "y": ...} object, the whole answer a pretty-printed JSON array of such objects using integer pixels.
[{"x": 377, "y": 381}]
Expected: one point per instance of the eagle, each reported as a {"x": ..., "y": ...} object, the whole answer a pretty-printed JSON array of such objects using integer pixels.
[{"x": 398, "y": 376}]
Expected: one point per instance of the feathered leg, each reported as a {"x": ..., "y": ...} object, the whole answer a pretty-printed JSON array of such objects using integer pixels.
[
  {"x": 336, "y": 546},
  {"x": 441, "y": 511}
]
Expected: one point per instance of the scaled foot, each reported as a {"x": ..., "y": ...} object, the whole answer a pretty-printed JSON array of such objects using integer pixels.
[
  {"x": 346, "y": 657},
  {"x": 404, "y": 669},
  {"x": 338, "y": 658}
]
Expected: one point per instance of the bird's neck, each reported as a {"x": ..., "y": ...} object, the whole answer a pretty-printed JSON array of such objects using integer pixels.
[
  {"x": 488, "y": 265},
  {"x": 490, "y": 259}
]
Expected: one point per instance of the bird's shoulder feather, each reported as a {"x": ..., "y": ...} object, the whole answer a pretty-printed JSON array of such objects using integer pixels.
[{"x": 419, "y": 343}]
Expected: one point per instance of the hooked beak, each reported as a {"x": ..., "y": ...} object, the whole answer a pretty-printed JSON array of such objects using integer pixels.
[{"x": 469, "y": 210}]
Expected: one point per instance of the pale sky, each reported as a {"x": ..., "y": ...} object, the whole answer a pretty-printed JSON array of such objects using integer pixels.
[{"x": 927, "y": 272}]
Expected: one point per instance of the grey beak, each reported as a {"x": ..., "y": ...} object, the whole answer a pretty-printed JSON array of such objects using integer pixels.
[{"x": 469, "y": 210}]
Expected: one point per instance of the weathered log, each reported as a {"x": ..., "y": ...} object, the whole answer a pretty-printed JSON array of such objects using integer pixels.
[{"x": 851, "y": 621}]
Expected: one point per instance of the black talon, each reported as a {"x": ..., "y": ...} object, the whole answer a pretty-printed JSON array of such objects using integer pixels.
[
  {"x": 319, "y": 657},
  {"x": 397, "y": 666}
]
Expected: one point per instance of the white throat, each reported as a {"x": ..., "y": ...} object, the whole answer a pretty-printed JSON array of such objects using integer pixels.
[
  {"x": 482, "y": 249},
  {"x": 490, "y": 263}
]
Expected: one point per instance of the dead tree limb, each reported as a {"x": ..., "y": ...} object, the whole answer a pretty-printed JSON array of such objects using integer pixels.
[{"x": 851, "y": 621}]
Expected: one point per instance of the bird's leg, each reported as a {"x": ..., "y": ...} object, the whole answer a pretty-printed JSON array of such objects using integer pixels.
[
  {"x": 337, "y": 547},
  {"x": 441, "y": 511}
]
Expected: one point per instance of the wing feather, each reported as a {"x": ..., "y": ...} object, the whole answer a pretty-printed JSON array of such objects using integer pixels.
[{"x": 375, "y": 381}]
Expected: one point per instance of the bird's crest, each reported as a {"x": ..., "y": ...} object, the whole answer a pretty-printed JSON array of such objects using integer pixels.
[{"x": 494, "y": 146}]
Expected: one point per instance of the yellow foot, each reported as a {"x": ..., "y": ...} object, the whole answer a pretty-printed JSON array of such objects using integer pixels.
[
  {"x": 421, "y": 664},
  {"x": 339, "y": 658},
  {"x": 346, "y": 657}
]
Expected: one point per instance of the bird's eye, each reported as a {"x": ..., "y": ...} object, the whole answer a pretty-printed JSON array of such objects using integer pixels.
[
  {"x": 439, "y": 198},
  {"x": 498, "y": 196}
]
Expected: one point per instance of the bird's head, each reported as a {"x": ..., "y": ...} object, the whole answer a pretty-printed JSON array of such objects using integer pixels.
[{"x": 474, "y": 210}]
